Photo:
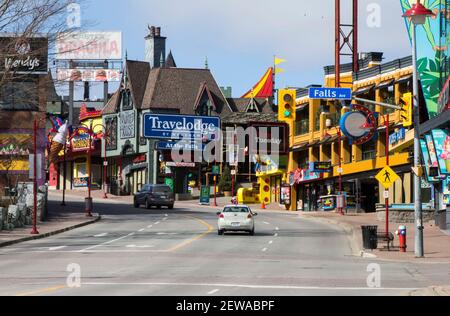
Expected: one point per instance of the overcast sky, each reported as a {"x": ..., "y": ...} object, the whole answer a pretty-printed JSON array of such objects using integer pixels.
[{"x": 240, "y": 37}]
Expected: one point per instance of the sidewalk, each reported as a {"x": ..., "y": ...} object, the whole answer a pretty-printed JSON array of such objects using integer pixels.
[
  {"x": 437, "y": 243},
  {"x": 59, "y": 220}
]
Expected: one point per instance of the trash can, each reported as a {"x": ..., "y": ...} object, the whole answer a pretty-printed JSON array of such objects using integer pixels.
[
  {"x": 442, "y": 214},
  {"x": 370, "y": 240}
]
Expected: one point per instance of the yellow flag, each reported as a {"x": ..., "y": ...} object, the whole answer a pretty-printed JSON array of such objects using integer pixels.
[
  {"x": 279, "y": 71},
  {"x": 279, "y": 61}
]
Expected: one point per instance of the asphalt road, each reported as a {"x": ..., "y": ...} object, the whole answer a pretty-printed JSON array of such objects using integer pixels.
[{"x": 178, "y": 253}]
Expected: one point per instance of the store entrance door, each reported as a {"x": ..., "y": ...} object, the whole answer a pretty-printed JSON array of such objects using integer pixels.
[{"x": 369, "y": 196}]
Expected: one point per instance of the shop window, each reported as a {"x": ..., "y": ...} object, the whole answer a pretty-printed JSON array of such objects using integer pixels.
[
  {"x": 369, "y": 150},
  {"x": 388, "y": 96}
]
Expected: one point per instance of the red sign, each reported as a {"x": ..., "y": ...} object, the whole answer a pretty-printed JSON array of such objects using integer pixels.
[{"x": 140, "y": 159}]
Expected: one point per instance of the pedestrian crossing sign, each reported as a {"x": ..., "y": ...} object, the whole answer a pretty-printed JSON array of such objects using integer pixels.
[{"x": 387, "y": 177}]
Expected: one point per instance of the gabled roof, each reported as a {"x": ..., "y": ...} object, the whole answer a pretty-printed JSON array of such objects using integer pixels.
[
  {"x": 170, "y": 61},
  {"x": 113, "y": 104},
  {"x": 137, "y": 72},
  {"x": 178, "y": 89},
  {"x": 201, "y": 92},
  {"x": 242, "y": 105}
]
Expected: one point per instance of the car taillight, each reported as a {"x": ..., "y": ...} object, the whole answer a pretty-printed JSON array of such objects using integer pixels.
[{"x": 221, "y": 216}]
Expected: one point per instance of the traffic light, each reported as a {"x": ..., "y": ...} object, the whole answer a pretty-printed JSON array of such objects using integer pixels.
[
  {"x": 287, "y": 105},
  {"x": 406, "y": 115}
]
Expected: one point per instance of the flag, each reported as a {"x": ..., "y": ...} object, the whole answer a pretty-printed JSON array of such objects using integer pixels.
[
  {"x": 279, "y": 70},
  {"x": 279, "y": 61}
]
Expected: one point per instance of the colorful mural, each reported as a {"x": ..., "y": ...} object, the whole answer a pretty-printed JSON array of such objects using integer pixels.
[{"x": 432, "y": 50}]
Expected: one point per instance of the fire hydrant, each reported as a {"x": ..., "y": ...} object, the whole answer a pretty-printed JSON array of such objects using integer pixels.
[{"x": 401, "y": 233}]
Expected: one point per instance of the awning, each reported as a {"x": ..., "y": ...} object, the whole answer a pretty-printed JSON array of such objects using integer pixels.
[
  {"x": 363, "y": 90},
  {"x": 301, "y": 107},
  {"x": 385, "y": 84},
  {"x": 404, "y": 79},
  {"x": 300, "y": 147}
]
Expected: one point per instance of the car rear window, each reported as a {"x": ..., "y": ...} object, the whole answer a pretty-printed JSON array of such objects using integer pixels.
[
  {"x": 236, "y": 210},
  {"x": 161, "y": 190}
]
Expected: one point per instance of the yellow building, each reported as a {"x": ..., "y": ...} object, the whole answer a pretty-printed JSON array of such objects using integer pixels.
[{"x": 314, "y": 138}]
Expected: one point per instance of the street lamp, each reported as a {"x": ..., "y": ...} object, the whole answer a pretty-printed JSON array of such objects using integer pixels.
[{"x": 418, "y": 15}]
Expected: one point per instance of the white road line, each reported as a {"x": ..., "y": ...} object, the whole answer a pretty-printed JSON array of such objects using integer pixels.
[
  {"x": 276, "y": 235},
  {"x": 57, "y": 248},
  {"x": 149, "y": 226},
  {"x": 106, "y": 243},
  {"x": 157, "y": 223},
  {"x": 264, "y": 250},
  {"x": 143, "y": 247},
  {"x": 277, "y": 228},
  {"x": 167, "y": 215},
  {"x": 270, "y": 242},
  {"x": 165, "y": 219},
  {"x": 266, "y": 223},
  {"x": 141, "y": 230},
  {"x": 213, "y": 292},
  {"x": 101, "y": 235},
  {"x": 250, "y": 286}
]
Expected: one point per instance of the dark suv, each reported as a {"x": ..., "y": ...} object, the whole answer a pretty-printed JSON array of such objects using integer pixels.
[{"x": 154, "y": 195}]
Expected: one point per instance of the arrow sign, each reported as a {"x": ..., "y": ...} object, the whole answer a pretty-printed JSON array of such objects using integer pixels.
[{"x": 330, "y": 93}]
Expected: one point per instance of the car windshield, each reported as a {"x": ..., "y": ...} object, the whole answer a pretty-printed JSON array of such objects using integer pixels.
[
  {"x": 161, "y": 189},
  {"x": 236, "y": 210}
]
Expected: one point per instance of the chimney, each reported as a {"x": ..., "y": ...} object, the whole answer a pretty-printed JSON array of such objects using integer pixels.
[{"x": 155, "y": 47}]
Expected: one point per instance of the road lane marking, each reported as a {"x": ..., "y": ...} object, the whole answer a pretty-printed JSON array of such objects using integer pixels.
[
  {"x": 190, "y": 241},
  {"x": 101, "y": 235},
  {"x": 276, "y": 235},
  {"x": 165, "y": 219},
  {"x": 213, "y": 292},
  {"x": 264, "y": 250},
  {"x": 157, "y": 223},
  {"x": 251, "y": 286},
  {"x": 149, "y": 226},
  {"x": 166, "y": 234},
  {"x": 270, "y": 242},
  {"x": 266, "y": 223},
  {"x": 141, "y": 230},
  {"x": 106, "y": 243},
  {"x": 43, "y": 291},
  {"x": 142, "y": 247},
  {"x": 167, "y": 215},
  {"x": 277, "y": 228},
  {"x": 57, "y": 248}
]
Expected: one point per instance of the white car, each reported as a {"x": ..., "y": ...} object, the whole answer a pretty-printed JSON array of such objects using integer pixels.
[{"x": 236, "y": 218}]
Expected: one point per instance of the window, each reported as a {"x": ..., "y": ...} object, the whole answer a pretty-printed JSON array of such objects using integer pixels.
[
  {"x": 236, "y": 210},
  {"x": 317, "y": 117},
  {"x": 347, "y": 152},
  {"x": 388, "y": 96},
  {"x": 302, "y": 123},
  {"x": 303, "y": 159},
  {"x": 127, "y": 102},
  {"x": 369, "y": 150},
  {"x": 19, "y": 96},
  {"x": 326, "y": 150},
  {"x": 368, "y": 96}
]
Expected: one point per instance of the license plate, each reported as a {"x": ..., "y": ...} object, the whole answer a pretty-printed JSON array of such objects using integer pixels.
[
  {"x": 235, "y": 224},
  {"x": 163, "y": 197}
]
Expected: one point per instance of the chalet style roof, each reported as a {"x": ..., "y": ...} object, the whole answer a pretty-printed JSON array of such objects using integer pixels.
[
  {"x": 242, "y": 105},
  {"x": 245, "y": 118}
]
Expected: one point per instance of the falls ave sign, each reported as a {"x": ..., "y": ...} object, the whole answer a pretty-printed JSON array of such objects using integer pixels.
[
  {"x": 330, "y": 93},
  {"x": 175, "y": 127}
]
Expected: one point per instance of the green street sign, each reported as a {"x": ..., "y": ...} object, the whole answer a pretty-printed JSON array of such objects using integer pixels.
[{"x": 215, "y": 170}]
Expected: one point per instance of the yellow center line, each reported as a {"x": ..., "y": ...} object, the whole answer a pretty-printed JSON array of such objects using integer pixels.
[
  {"x": 190, "y": 241},
  {"x": 43, "y": 291}
]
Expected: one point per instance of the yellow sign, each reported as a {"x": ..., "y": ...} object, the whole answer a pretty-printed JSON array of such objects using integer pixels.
[{"x": 387, "y": 177}]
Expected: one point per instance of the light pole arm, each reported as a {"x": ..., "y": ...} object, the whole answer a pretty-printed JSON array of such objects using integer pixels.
[{"x": 382, "y": 104}]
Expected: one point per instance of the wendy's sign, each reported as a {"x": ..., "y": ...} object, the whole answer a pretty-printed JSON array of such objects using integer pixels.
[{"x": 24, "y": 55}]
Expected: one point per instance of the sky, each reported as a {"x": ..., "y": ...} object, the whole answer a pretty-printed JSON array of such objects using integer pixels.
[{"x": 240, "y": 37}]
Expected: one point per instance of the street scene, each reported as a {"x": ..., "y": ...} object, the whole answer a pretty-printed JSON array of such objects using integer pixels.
[{"x": 148, "y": 155}]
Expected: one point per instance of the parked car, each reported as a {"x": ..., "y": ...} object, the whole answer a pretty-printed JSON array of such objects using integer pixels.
[
  {"x": 155, "y": 195},
  {"x": 236, "y": 218}
]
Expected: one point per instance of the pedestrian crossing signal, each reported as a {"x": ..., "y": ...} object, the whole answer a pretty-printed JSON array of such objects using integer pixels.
[{"x": 406, "y": 115}]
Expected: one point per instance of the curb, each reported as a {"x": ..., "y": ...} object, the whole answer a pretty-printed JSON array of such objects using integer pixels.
[{"x": 49, "y": 234}]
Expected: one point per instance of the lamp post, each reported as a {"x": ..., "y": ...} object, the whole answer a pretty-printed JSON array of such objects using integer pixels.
[{"x": 418, "y": 15}]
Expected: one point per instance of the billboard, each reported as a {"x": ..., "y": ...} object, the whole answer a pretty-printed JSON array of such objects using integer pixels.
[
  {"x": 88, "y": 75},
  {"x": 89, "y": 46},
  {"x": 442, "y": 144},
  {"x": 159, "y": 126},
  {"x": 24, "y": 55}
]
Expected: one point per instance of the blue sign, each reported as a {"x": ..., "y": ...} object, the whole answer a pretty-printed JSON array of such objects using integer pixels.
[
  {"x": 331, "y": 93},
  {"x": 397, "y": 136},
  {"x": 183, "y": 145},
  {"x": 161, "y": 126}
]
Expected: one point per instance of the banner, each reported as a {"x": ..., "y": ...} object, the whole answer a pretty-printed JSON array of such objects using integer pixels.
[
  {"x": 89, "y": 46},
  {"x": 442, "y": 144},
  {"x": 24, "y": 55},
  {"x": 427, "y": 159},
  {"x": 88, "y": 75}
]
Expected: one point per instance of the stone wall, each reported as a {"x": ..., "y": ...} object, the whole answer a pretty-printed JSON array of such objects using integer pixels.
[{"x": 404, "y": 216}]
